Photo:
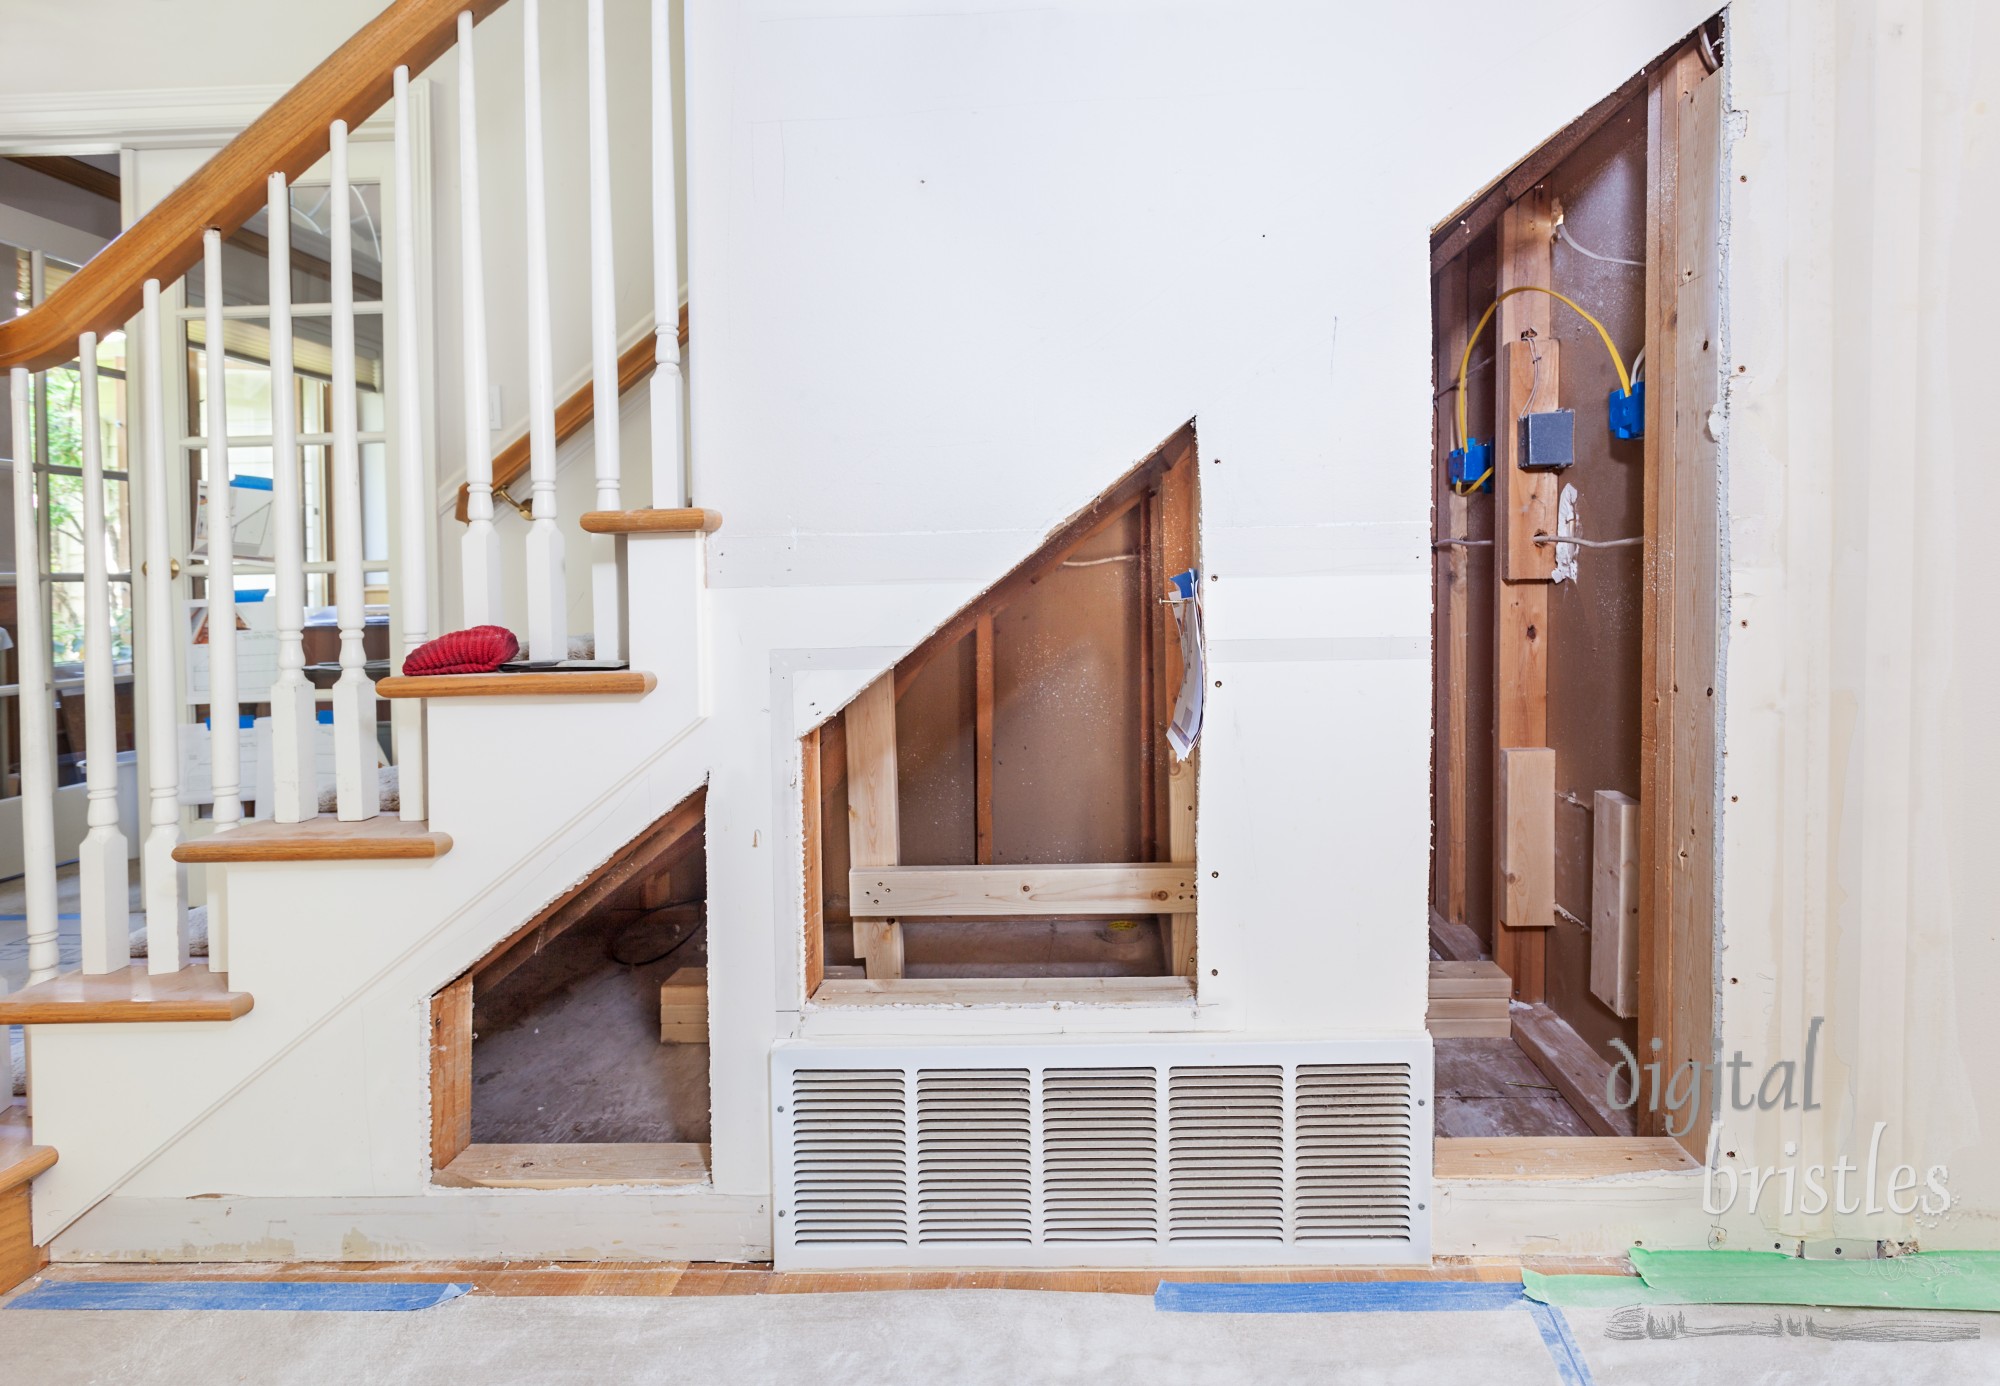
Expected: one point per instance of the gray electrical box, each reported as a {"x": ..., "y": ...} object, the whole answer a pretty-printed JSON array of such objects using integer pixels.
[{"x": 1548, "y": 440}]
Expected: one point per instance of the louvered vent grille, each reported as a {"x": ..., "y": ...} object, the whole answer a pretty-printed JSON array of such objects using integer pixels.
[
  {"x": 1226, "y": 1154},
  {"x": 1100, "y": 1158},
  {"x": 849, "y": 1157},
  {"x": 975, "y": 1155},
  {"x": 1352, "y": 1134},
  {"x": 1078, "y": 1153}
]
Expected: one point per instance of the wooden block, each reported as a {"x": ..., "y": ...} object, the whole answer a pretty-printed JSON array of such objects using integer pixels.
[
  {"x": 1573, "y": 1067},
  {"x": 1469, "y": 1000},
  {"x": 1061, "y": 888},
  {"x": 874, "y": 828},
  {"x": 1614, "y": 901},
  {"x": 451, "y": 1072},
  {"x": 576, "y": 1166},
  {"x": 1528, "y": 837},
  {"x": 684, "y": 1007},
  {"x": 1469, "y": 979},
  {"x": 1554, "y": 1157},
  {"x": 1485, "y": 1027}
]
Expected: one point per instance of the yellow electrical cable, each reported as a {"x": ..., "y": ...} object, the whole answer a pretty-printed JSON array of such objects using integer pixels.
[{"x": 1465, "y": 358}]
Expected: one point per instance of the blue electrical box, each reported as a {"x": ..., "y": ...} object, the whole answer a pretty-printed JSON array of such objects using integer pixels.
[
  {"x": 1469, "y": 464},
  {"x": 1627, "y": 411}
]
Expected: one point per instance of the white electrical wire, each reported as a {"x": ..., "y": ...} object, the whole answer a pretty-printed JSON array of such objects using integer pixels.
[
  {"x": 1587, "y": 543},
  {"x": 1563, "y": 235}
]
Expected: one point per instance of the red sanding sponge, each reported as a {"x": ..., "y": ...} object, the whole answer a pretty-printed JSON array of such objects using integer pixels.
[{"x": 479, "y": 650}]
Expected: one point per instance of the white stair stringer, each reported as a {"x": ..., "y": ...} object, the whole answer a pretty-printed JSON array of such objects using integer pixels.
[
  {"x": 342, "y": 957},
  {"x": 1093, "y": 1151}
]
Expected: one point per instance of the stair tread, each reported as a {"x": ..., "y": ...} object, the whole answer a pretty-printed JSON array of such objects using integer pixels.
[
  {"x": 650, "y": 521},
  {"x": 554, "y": 683},
  {"x": 133, "y": 994},
  {"x": 322, "y": 838}
]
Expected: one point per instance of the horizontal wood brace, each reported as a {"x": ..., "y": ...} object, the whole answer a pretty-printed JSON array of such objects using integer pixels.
[{"x": 1064, "y": 888}]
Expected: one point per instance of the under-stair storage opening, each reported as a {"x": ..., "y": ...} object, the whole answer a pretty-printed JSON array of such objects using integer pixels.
[
  {"x": 1007, "y": 814},
  {"x": 1577, "y": 358},
  {"x": 576, "y": 1052},
  {"x": 1106, "y": 1153}
]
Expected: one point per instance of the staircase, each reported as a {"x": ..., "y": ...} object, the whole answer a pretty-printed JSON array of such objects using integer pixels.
[{"x": 330, "y": 931}]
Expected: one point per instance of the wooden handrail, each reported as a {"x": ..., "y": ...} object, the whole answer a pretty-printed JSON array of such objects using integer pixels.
[
  {"x": 635, "y": 363},
  {"x": 230, "y": 188}
]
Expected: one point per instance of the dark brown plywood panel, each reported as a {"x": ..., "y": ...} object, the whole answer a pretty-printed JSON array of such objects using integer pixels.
[
  {"x": 1066, "y": 726},
  {"x": 935, "y": 761},
  {"x": 1595, "y": 622}
]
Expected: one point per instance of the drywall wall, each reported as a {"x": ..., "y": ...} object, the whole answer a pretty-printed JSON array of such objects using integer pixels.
[{"x": 1856, "y": 807}]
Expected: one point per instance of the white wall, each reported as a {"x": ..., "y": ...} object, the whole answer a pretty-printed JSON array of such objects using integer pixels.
[{"x": 955, "y": 267}]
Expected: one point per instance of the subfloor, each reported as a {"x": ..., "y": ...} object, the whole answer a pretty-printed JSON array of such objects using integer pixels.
[
  {"x": 707, "y": 1324},
  {"x": 1488, "y": 1087},
  {"x": 567, "y": 1049}
]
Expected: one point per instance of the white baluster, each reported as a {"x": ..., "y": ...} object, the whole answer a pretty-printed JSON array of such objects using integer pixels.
[
  {"x": 548, "y": 596},
  {"x": 294, "y": 709},
  {"x": 412, "y": 576},
  {"x": 607, "y": 551},
  {"x": 479, "y": 549},
  {"x": 669, "y": 473},
  {"x": 101, "y": 861},
  {"x": 164, "y": 880},
  {"x": 356, "y": 780},
  {"x": 31, "y": 652},
  {"x": 224, "y": 710}
]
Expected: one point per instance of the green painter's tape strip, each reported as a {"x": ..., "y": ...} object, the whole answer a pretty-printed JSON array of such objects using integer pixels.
[{"x": 1961, "y": 1280}]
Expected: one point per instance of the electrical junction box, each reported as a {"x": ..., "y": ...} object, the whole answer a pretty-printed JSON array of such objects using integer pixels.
[
  {"x": 1548, "y": 441},
  {"x": 1627, "y": 413},
  {"x": 1468, "y": 464}
]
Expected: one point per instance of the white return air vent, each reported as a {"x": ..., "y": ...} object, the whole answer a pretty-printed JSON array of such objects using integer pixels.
[{"x": 1102, "y": 1153}]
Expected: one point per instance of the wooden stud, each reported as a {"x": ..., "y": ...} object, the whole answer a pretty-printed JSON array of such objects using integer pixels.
[
  {"x": 1527, "y": 813},
  {"x": 451, "y": 1072},
  {"x": 1177, "y": 552},
  {"x": 874, "y": 831},
  {"x": 1451, "y": 776},
  {"x": 1614, "y": 901},
  {"x": 982, "y": 739},
  {"x": 810, "y": 791},
  {"x": 1061, "y": 888},
  {"x": 1677, "y": 733},
  {"x": 1524, "y": 505}
]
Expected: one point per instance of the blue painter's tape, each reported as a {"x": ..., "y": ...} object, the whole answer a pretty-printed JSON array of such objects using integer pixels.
[
  {"x": 1561, "y": 1343},
  {"x": 1338, "y": 1297},
  {"x": 343, "y": 1297},
  {"x": 250, "y": 483}
]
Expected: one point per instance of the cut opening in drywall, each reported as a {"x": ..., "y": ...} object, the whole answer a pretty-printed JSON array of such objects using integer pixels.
[
  {"x": 1575, "y": 605},
  {"x": 576, "y": 1052},
  {"x": 1004, "y": 814}
]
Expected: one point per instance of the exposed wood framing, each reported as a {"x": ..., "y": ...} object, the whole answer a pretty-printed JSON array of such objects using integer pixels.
[
  {"x": 1614, "y": 901},
  {"x": 1004, "y": 991},
  {"x": 982, "y": 739},
  {"x": 672, "y": 837},
  {"x": 1066, "y": 888},
  {"x": 1177, "y": 552},
  {"x": 1521, "y": 567},
  {"x": 1553, "y": 1157},
  {"x": 576, "y": 1166},
  {"x": 684, "y": 1007},
  {"x": 1451, "y": 774},
  {"x": 1677, "y": 730},
  {"x": 1527, "y": 816},
  {"x": 451, "y": 1072},
  {"x": 810, "y": 793},
  {"x": 1576, "y": 1070},
  {"x": 1453, "y": 941},
  {"x": 874, "y": 832}
]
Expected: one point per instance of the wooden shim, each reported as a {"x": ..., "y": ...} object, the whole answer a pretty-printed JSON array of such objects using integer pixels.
[
  {"x": 874, "y": 830},
  {"x": 1525, "y": 502},
  {"x": 451, "y": 1072},
  {"x": 813, "y": 880},
  {"x": 1573, "y": 1067},
  {"x": 1527, "y": 813},
  {"x": 1066, "y": 888},
  {"x": 1614, "y": 901}
]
